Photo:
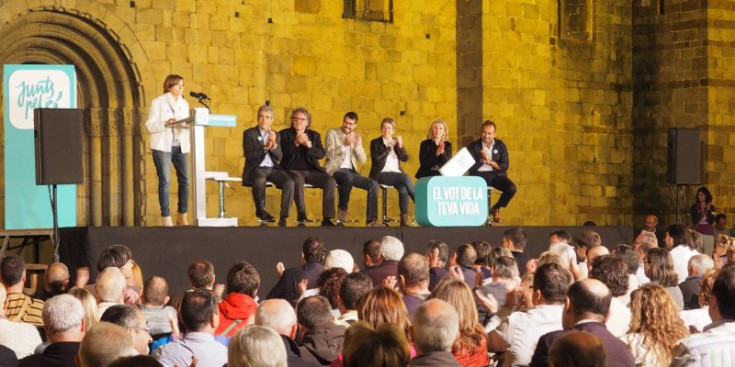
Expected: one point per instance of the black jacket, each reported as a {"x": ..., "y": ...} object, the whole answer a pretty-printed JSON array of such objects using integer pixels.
[
  {"x": 291, "y": 151},
  {"x": 429, "y": 161},
  {"x": 499, "y": 155},
  {"x": 379, "y": 154},
  {"x": 252, "y": 147},
  {"x": 288, "y": 285}
]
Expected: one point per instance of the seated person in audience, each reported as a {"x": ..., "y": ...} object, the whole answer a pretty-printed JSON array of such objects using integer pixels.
[
  {"x": 352, "y": 289},
  {"x": 120, "y": 256},
  {"x": 698, "y": 265},
  {"x": 344, "y": 151},
  {"x": 584, "y": 241},
  {"x": 655, "y": 327},
  {"x": 505, "y": 279},
  {"x": 586, "y": 306},
  {"x": 302, "y": 149},
  {"x": 20, "y": 337},
  {"x": 463, "y": 260},
  {"x": 63, "y": 320},
  {"x": 198, "y": 314},
  {"x": 630, "y": 258},
  {"x": 236, "y": 310},
  {"x": 578, "y": 349},
  {"x": 89, "y": 303},
  {"x": 110, "y": 288},
  {"x": 437, "y": 253},
  {"x": 434, "y": 331},
  {"x": 515, "y": 240},
  {"x": 280, "y": 316},
  {"x": 612, "y": 271},
  {"x": 518, "y": 332},
  {"x": 386, "y": 346},
  {"x": 391, "y": 251},
  {"x": 201, "y": 276},
  {"x": 154, "y": 306},
  {"x": 593, "y": 254},
  {"x": 482, "y": 249},
  {"x": 470, "y": 349},
  {"x": 560, "y": 236},
  {"x": 7, "y": 357},
  {"x": 642, "y": 243},
  {"x": 696, "y": 319},
  {"x": 679, "y": 242},
  {"x": 660, "y": 269},
  {"x": 339, "y": 258},
  {"x": 386, "y": 154},
  {"x": 322, "y": 339},
  {"x": 327, "y": 285},
  {"x": 435, "y": 150},
  {"x": 132, "y": 319},
  {"x": 313, "y": 255},
  {"x": 262, "y": 149},
  {"x": 56, "y": 281},
  {"x": 716, "y": 344},
  {"x": 371, "y": 254},
  {"x": 256, "y": 346},
  {"x": 103, "y": 344},
  {"x": 413, "y": 280},
  {"x": 20, "y": 307}
]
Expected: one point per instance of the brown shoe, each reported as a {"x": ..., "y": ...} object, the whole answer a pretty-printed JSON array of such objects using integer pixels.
[
  {"x": 342, "y": 216},
  {"x": 496, "y": 216},
  {"x": 181, "y": 219},
  {"x": 375, "y": 223},
  {"x": 404, "y": 221}
]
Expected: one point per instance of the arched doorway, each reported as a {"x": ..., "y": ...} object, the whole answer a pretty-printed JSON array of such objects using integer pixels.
[{"x": 109, "y": 91}]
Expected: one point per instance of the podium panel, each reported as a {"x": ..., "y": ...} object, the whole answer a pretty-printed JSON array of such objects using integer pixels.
[{"x": 451, "y": 201}]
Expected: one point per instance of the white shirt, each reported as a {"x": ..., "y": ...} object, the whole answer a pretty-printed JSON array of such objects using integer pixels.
[
  {"x": 523, "y": 329},
  {"x": 267, "y": 162},
  {"x": 698, "y": 317},
  {"x": 642, "y": 356},
  {"x": 619, "y": 322},
  {"x": 489, "y": 150},
  {"x": 347, "y": 162},
  {"x": 640, "y": 275},
  {"x": 681, "y": 255},
  {"x": 19, "y": 337},
  {"x": 391, "y": 162}
]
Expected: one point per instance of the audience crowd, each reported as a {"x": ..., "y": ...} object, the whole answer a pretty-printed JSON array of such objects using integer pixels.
[{"x": 657, "y": 302}]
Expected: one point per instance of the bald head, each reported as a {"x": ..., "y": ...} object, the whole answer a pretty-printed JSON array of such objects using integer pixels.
[
  {"x": 155, "y": 291},
  {"x": 110, "y": 285},
  {"x": 578, "y": 348},
  {"x": 414, "y": 271},
  {"x": 435, "y": 326},
  {"x": 278, "y": 315},
  {"x": 587, "y": 299}
]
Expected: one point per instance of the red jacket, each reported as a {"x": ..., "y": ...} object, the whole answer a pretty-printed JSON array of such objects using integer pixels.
[{"x": 235, "y": 306}]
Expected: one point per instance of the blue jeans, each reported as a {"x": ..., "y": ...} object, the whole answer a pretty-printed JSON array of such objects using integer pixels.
[{"x": 163, "y": 161}]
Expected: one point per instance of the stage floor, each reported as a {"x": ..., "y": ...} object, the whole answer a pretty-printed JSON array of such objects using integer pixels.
[{"x": 169, "y": 251}]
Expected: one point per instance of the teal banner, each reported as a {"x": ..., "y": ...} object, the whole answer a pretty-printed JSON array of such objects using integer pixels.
[
  {"x": 26, "y": 87},
  {"x": 451, "y": 201}
]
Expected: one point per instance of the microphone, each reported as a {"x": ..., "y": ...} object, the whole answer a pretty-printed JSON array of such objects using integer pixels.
[{"x": 198, "y": 95}]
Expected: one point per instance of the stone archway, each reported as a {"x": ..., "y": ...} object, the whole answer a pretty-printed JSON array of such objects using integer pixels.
[{"x": 109, "y": 90}]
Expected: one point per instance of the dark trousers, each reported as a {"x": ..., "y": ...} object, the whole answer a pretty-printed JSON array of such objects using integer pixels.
[
  {"x": 502, "y": 184},
  {"x": 346, "y": 179},
  {"x": 402, "y": 183},
  {"x": 317, "y": 179},
  {"x": 279, "y": 178}
]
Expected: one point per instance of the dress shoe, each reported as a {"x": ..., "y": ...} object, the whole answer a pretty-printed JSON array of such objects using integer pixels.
[
  {"x": 264, "y": 216},
  {"x": 282, "y": 222},
  {"x": 327, "y": 222},
  {"x": 404, "y": 221},
  {"x": 342, "y": 216},
  {"x": 167, "y": 222},
  {"x": 301, "y": 217},
  {"x": 496, "y": 216},
  {"x": 375, "y": 223},
  {"x": 181, "y": 219}
]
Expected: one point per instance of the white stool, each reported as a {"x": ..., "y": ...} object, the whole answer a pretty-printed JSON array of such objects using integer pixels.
[{"x": 222, "y": 179}]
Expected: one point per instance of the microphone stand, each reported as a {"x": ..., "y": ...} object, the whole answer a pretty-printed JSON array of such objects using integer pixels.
[{"x": 201, "y": 100}]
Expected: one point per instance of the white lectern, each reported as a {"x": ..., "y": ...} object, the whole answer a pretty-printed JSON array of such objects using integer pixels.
[{"x": 202, "y": 119}]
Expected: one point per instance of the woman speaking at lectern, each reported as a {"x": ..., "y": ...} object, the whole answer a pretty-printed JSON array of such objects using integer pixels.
[{"x": 170, "y": 144}]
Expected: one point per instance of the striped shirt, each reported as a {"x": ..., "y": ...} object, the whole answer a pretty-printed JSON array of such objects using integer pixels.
[
  {"x": 24, "y": 308},
  {"x": 714, "y": 347}
]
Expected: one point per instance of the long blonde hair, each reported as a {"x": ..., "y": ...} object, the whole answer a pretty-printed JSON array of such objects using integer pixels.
[
  {"x": 91, "y": 317},
  {"x": 458, "y": 294},
  {"x": 655, "y": 316}
]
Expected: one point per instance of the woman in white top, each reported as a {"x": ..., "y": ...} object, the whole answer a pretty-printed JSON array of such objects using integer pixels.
[
  {"x": 655, "y": 326},
  {"x": 387, "y": 153},
  {"x": 170, "y": 144}
]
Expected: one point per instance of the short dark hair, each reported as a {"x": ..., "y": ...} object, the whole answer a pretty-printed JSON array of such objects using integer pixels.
[
  {"x": 562, "y": 234},
  {"x": 587, "y": 238},
  {"x": 482, "y": 249},
  {"x": 724, "y": 291},
  {"x": 680, "y": 234},
  {"x": 443, "y": 252},
  {"x": 466, "y": 255},
  {"x": 488, "y": 123},
  {"x": 414, "y": 269},
  {"x": 155, "y": 290},
  {"x": 312, "y": 311},
  {"x": 720, "y": 216},
  {"x": 585, "y": 300},
  {"x": 122, "y": 315},
  {"x": 11, "y": 269},
  {"x": 553, "y": 281},
  {"x": 243, "y": 278},
  {"x": 115, "y": 256},
  {"x": 611, "y": 271},
  {"x": 518, "y": 236},
  {"x": 578, "y": 349},
  {"x": 314, "y": 250},
  {"x": 197, "y": 308},
  {"x": 505, "y": 267},
  {"x": 201, "y": 273},
  {"x": 353, "y": 288},
  {"x": 372, "y": 249},
  {"x": 170, "y": 81},
  {"x": 629, "y": 256},
  {"x": 351, "y": 115}
]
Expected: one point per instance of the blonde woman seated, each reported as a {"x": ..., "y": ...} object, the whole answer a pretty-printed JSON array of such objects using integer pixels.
[
  {"x": 256, "y": 346},
  {"x": 435, "y": 150},
  {"x": 386, "y": 346}
]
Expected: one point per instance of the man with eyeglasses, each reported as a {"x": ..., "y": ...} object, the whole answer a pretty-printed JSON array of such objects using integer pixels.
[
  {"x": 302, "y": 150},
  {"x": 344, "y": 151},
  {"x": 131, "y": 318}
]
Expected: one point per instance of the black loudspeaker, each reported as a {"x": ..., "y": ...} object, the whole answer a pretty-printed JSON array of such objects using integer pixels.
[
  {"x": 58, "y": 143},
  {"x": 684, "y": 162}
]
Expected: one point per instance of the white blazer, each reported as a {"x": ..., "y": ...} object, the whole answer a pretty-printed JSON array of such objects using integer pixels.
[{"x": 162, "y": 109}]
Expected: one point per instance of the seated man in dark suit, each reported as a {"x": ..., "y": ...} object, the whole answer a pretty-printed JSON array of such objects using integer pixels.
[
  {"x": 586, "y": 307},
  {"x": 491, "y": 163},
  {"x": 262, "y": 148},
  {"x": 313, "y": 255}
]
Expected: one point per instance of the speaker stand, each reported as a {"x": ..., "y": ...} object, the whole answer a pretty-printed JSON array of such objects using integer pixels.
[{"x": 54, "y": 210}]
